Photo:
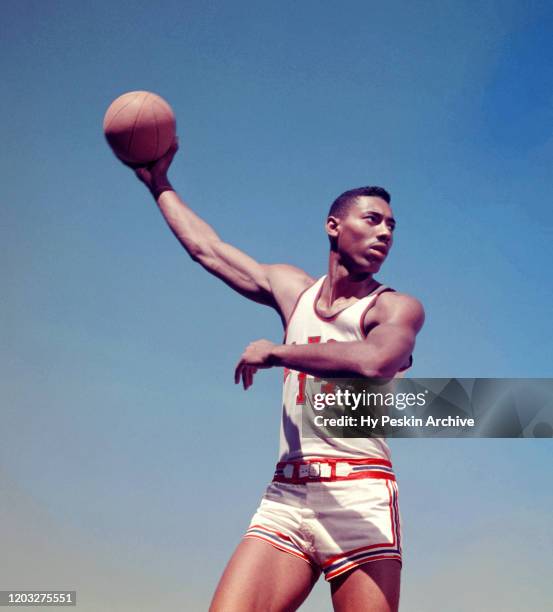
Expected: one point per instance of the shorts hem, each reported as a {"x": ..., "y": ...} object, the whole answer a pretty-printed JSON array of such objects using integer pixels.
[
  {"x": 355, "y": 564},
  {"x": 281, "y": 547}
]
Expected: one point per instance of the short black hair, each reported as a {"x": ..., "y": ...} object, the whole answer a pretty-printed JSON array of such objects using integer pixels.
[{"x": 342, "y": 203}]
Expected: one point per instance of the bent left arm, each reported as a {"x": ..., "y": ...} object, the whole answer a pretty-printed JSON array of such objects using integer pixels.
[{"x": 381, "y": 355}]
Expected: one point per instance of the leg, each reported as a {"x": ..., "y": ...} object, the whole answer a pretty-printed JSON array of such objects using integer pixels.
[
  {"x": 371, "y": 587},
  {"x": 261, "y": 578}
]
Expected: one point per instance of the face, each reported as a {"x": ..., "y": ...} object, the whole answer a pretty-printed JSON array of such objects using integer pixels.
[{"x": 364, "y": 236}]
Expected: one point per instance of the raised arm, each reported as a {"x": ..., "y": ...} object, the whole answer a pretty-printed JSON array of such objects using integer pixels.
[{"x": 274, "y": 285}]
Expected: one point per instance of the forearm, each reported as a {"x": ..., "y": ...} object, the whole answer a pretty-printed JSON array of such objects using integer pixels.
[
  {"x": 202, "y": 243},
  {"x": 382, "y": 355},
  {"x": 332, "y": 359},
  {"x": 192, "y": 231}
]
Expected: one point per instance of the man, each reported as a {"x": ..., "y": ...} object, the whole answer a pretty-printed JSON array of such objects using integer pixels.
[{"x": 332, "y": 506}]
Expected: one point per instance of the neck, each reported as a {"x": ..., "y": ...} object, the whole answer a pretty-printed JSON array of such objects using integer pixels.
[{"x": 343, "y": 283}]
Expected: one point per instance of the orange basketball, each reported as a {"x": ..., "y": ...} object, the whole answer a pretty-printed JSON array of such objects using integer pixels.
[{"x": 139, "y": 126}]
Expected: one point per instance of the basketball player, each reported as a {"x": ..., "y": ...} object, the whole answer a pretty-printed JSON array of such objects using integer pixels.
[{"x": 332, "y": 506}]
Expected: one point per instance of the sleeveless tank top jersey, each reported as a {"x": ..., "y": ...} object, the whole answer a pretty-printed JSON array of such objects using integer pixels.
[{"x": 307, "y": 326}]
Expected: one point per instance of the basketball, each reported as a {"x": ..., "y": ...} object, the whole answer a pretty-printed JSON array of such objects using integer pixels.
[{"x": 139, "y": 127}]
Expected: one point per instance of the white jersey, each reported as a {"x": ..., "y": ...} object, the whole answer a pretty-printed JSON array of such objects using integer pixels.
[{"x": 306, "y": 326}]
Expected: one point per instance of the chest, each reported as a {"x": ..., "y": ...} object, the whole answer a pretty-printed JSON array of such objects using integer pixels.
[{"x": 345, "y": 322}]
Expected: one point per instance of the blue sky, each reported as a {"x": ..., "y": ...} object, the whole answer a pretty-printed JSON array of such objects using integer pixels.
[{"x": 123, "y": 432}]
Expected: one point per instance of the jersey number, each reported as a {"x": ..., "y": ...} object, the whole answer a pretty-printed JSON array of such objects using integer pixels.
[{"x": 302, "y": 376}]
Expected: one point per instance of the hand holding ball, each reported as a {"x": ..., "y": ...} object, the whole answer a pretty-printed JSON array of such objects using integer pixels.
[{"x": 140, "y": 127}]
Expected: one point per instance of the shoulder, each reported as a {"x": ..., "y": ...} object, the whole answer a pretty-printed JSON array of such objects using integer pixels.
[
  {"x": 399, "y": 308},
  {"x": 288, "y": 273},
  {"x": 287, "y": 283}
]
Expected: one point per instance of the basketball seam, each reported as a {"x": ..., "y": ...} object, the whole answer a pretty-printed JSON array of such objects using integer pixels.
[
  {"x": 123, "y": 107},
  {"x": 135, "y": 122},
  {"x": 156, "y": 156}
]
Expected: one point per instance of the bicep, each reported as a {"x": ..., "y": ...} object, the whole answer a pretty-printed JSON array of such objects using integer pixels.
[
  {"x": 393, "y": 336},
  {"x": 393, "y": 345}
]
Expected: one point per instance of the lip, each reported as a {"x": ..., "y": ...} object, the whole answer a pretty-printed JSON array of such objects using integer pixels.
[{"x": 379, "y": 248}]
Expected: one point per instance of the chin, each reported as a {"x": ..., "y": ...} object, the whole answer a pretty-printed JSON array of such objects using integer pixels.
[
  {"x": 362, "y": 265},
  {"x": 373, "y": 266}
]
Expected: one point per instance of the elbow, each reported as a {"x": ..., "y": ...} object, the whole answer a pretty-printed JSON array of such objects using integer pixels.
[
  {"x": 197, "y": 249},
  {"x": 200, "y": 252},
  {"x": 376, "y": 370},
  {"x": 371, "y": 372},
  {"x": 196, "y": 252}
]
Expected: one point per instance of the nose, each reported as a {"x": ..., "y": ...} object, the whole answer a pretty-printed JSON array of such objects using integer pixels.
[{"x": 384, "y": 233}]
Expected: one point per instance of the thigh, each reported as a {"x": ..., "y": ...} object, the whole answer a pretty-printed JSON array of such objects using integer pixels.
[
  {"x": 261, "y": 578},
  {"x": 371, "y": 587}
]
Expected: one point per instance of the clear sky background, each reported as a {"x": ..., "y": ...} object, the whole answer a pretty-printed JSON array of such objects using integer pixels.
[{"x": 130, "y": 464}]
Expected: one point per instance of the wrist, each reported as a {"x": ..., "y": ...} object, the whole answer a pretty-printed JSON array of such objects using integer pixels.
[
  {"x": 276, "y": 357},
  {"x": 159, "y": 185}
]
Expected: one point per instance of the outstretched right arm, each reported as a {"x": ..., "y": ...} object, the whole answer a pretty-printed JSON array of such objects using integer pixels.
[{"x": 277, "y": 285}]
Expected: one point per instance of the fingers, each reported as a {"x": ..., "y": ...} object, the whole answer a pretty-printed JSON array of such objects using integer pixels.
[
  {"x": 247, "y": 377},
  {"x": 175, "y": 146},
  {"x": 244, "y": 372},
  {"x": 248, "y": 380},
  {"x": 238, "y": 371},
  {"x": 143, "y": 174},
  {"x": 165, "y": 160}
]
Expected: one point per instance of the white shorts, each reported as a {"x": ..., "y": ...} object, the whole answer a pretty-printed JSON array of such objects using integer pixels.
[{"x": 333, "y": 525}]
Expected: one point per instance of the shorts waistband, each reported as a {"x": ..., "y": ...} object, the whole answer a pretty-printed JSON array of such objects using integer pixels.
[{"x": 329, "y": 470}]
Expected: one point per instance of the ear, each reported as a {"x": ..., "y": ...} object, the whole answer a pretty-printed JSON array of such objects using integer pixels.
[{"x": 332, "y": 226}]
